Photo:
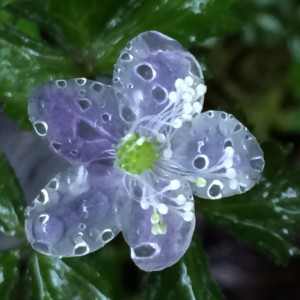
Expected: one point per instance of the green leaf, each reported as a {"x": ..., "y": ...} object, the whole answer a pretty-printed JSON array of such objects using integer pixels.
[
  {"x": 9, "y": 274},
  {"x": 107, "y": 260},
  {"x": 188, "y": 279},
  {"x": 187, "y": 21},
  {"x": 26, "y": 62},
  {"x": 95, "y": 34},
  {"x": 268, "y": 216},
  {"x": 52, "y": 278},
  {"x": 11, "y": 201},
  {"x": 91, "y": 35},
  {"x": 72, "y": 24}
]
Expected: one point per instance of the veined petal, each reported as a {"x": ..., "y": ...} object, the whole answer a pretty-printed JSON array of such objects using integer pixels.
[
  {"x": 159, "y": 221},
  {"x": 75, "y": 214},
  {"x": 217, "y": 154},
  {"x": 146, "y": 72},
  {"x": 79, "y": 117}
]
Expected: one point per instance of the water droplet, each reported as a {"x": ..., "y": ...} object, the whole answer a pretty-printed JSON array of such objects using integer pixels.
[
  {"x": 40, "y": 128},
  {"x": 107, "y": 235}
]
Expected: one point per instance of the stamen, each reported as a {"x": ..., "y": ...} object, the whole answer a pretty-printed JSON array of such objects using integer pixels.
[
  {"x": 177, "y": 123},
  {"x": 181, "y": 199},
  {"x": 167, "y": 153},
  {"x": 155, "y": 218},
  {"x": 200, "y": 182},
  {"x": 188, "y": 216},
  {"x": 162, "y": 208},
  {"x": 174, "y": 184}
]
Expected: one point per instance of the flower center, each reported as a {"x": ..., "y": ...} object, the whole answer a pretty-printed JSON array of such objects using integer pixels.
[{"x": 135, "y": 154}]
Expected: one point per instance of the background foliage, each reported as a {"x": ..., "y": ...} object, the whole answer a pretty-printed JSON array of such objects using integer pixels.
[{"x": 250, "y": 52}]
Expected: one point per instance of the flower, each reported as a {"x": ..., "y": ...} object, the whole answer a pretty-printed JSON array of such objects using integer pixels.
[{"x": 139, "y": 150}]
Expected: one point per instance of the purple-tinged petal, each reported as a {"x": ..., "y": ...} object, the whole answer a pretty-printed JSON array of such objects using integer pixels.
[
  {"x": 76, "y": 213},
  {"x": 146, "y": 72},
  {"x": 217, "y": 154},
  {"x": 79, "y": 117},
  {"x": 159, "y": 221}
]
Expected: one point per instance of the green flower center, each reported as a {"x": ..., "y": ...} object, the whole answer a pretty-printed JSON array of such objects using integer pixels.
[{"x": 135, "y": 154}]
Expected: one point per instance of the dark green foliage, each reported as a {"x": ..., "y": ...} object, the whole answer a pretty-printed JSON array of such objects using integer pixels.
[{"x": 52, "y": 39}]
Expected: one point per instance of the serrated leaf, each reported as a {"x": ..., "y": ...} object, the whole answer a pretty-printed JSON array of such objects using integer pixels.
[
  {"x": 268, "y": 216},
  {"x": 188, "y": 279},
  {"x": 25, "y": 63},
  {"x": 11, "y": 201},
  {"x": 52, "y": 278},
  {"x": 9, "y": 273}
]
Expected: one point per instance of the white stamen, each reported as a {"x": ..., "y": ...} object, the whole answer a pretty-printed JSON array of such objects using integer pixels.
[
  {"x": 233, "y": 184},
  {"x": 140, "y": 141},
  {"x": 201, "y": 89},
  {"x": 162, "y": 208},
  {"x": 174, "y": 184},
  {"x": 229, "y": 151},
  {"x": 177, "y": 123},
  {"x": 188, "y": 216},
  {"x": 228, "y": 163},
  {"x": 127, "y": 137},
  {"x": 189, "y": 80},
  {"x": 144, "y": 204},
  {"x": 187, "y": 97},
  {"x": 231, "y": 173},
  {"x": 173, "y": 96},
  {"x": 197, "y": 107},
  {"x": 167, "y": 153},
  {"x": 181, "y": 199},
  {"x": 178, "y": 83},
  {"x": 161, "y": 137},
  {"x": 188, "y": 207},
  {"x": 191, "y": 91},
  {"x": 187, "y": 108},
  {"x": 187, "y": 117}
]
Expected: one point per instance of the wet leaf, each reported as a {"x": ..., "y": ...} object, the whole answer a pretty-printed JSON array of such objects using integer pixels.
[
  {"x": 9, "y": 274},
  {"x": 175, "y": 18},
  {"x": 95, "y": 34},
  {"x": 26, "y": 62},
  {"x": 11, "y": 201},
  {"x": 53, "y": 278},
  {"x": 71, "y": 24},
  {"x": 188, "y": 279},
  {"x": 268, "y": 216}
]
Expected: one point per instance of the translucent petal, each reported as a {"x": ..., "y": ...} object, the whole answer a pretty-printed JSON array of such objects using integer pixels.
[
  {"x": 75, "y": 213},
  {"x": 217, "y": 154},
  {"x": 158, "y": 222},
  {"x": 79, "y": 117},
  {"x": 147, "y": 69}
]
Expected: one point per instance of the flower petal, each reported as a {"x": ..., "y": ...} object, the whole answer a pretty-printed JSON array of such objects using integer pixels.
[
  {"x": 147, "y": 69},
  {"x": 158, "y": 222},
  {"x": 217, "y": 154},
  {"x": 80, "y": 118},
  {"x": 75, "y": 213}
]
